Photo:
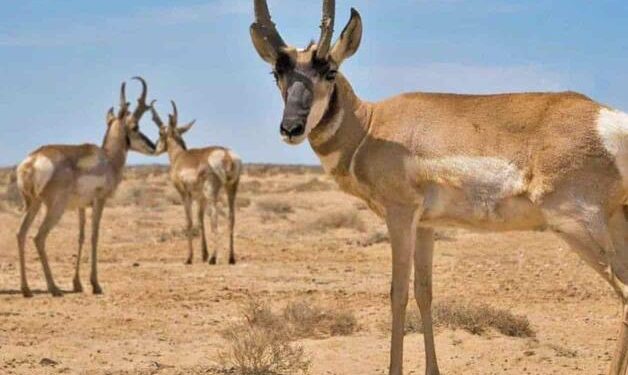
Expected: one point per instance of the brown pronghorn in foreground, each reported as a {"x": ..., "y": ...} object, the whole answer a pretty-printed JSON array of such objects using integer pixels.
[
  {"x": 492, "y": 162},
  {"x": 199, "y": 175},
  {"x": 77, "y": 177}
]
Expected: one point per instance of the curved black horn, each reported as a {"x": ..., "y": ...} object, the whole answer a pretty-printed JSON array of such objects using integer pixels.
[
  {"x": 141, "y": 101},
  {"x": 124, "y": 105},
  {"x": 327, "y": 28},
  {"x": 265, "y": 24}
]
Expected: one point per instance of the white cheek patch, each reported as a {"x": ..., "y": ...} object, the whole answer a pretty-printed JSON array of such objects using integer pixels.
[
  {"x": 319, "y": 107},
  {"x": 612, "y": 127},
  {"x": 43, "y": 171}
]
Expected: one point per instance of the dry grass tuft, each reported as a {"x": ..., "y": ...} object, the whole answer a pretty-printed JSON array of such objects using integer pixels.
[
  {"x": 312, "y": 185},
  {"x": 275, "y": 206},
  {"x": 337, "y": 219},
  {"x": 476, "y": 320},
  {"x": 308, "y": 320},
  {"x": 262, "y": 345}
]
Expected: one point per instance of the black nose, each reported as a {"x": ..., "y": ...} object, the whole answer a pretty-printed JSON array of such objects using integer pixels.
[{"x": 292, "y": 128}]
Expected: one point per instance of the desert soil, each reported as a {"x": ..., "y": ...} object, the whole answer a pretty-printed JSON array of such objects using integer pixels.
[{"x": 159, "y": 316}]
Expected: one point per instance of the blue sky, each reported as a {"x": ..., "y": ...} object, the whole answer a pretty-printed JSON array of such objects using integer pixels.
[{"x": 61, "y": 62}]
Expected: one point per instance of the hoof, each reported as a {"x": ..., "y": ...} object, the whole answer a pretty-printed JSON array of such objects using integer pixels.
[
  {"x": 96, "y": 289},
  {"x": 188, "y": 262},
  {"x": 212, "y": 261},
  {"x": 232, "y": 261},
  {"x": 78, "y": 287},
  {"x": 26, "y": 292},
  {"x": 56, "y": 292},
  {"x": 205, "y": 257}
]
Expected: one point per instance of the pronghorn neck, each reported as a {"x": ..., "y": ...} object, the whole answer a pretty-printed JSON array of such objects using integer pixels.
[
  {"x": 174, "y": 148},
  {"x": 116, "y": 146},
  {"x": 338, "y": 135}
]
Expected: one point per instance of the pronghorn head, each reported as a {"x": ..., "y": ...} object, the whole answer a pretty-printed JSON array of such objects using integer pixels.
[
  {"x": 172, "y": 132},
  {"x": 127, "y": 123},
  {"x": 305, "y": 77}
]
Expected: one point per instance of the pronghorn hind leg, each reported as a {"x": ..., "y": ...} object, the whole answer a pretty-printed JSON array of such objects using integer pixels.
[
  {"x": 423, "y": 259},
  {"x": 212, "y": 193},
  {"x": 54, "y": 212},
  {"x": 187, "y": 205},
  {"x": 31, "y": 210},
  {"x": 594, "y": 242},
  {"x": 232, "y": 190},
  {"x": 78, "y": 287},
  {"x": 402, "y": 228},
  {"x": 202, "y": 206}
]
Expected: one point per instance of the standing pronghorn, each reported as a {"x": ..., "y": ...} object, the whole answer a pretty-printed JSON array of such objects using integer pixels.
[
  {"x": 199, "y": 175},
  {"x": 61, "y": 177},
  {"x": 421, "y": 160}
]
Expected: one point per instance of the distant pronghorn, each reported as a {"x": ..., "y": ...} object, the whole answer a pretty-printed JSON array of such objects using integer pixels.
[
  {"x": 63, "y": 176},
  {"x": 493, "y": 162},
  {"x": 199, "y": 175}
]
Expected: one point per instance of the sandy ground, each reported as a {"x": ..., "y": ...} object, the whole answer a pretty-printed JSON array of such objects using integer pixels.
[{"x": 158, "y": 316}]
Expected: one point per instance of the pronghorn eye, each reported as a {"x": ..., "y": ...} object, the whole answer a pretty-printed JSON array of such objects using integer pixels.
[
  {"x": 275, "y": 75},
  {"x": 331, "y": 75}
]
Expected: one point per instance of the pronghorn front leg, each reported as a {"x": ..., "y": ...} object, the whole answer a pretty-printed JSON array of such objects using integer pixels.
[
  {"x": 77, "y": 280},
  {"x": 402, "y": 229},
  {"x": 187, "y": 204},
  {"x": 423, "y": 255},
  {"x": 97, "y": 209}
]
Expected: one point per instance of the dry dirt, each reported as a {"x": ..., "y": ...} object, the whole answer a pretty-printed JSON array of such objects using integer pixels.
[{"x": 158, "y": 316}]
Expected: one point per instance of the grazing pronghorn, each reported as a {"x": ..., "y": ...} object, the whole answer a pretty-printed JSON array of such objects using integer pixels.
[
  {"x": 199, "y": 175},
  {"x": 493, "y": 162},
  {"x": 77, "y": 177}
]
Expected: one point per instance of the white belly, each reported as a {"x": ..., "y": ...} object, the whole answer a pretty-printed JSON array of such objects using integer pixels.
[{"x": 449, "y": 206}]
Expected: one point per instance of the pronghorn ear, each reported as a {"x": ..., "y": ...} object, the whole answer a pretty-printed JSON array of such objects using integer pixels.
[
  {"x": 263, "y": 46},
  {"x": 184, "y": 129},
  {"x": 350, "y": 39},
  {"x": 111, "y": 116}
]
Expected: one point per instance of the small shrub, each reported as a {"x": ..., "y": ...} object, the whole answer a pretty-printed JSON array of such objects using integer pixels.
[
  {"x": 473, "y": 319},
  {"x": 262, "y": 345},
  {"x": 310, "y": 320},
  {"x": 341, "y": 218}
]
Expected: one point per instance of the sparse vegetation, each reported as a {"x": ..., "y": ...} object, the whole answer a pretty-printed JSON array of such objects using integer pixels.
[
  {"x": 339, "y": 218},
  {"x": 275, "y": 206},
  {"x": 254, "y": 350},
  {"x": 473, "y": 319},
  {"x": 308, "y": 320},
  {"x": 262, "y": 344}
]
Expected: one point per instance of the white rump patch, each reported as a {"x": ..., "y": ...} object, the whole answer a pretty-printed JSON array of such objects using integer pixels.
[
  {"x": 216, "y": 162},
  {"x": 612, "y": 127},
  {"x": 43, "y": 171}
]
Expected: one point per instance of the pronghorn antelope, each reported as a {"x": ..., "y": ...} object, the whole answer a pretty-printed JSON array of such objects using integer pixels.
[
  {"x": 78, "y": 177},
  {"x": 199, "y": 175},
  {"x": 494, "y": 162}
]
